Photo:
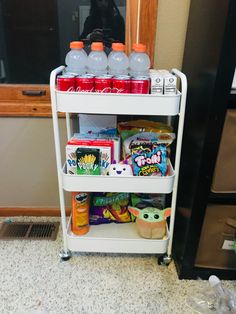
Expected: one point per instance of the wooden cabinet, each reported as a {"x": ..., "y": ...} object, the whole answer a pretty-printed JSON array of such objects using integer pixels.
[{"x": 25, "y": 100}]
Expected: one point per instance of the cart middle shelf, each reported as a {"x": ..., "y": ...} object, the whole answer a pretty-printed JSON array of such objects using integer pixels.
[{"x": 130, "y": 184}]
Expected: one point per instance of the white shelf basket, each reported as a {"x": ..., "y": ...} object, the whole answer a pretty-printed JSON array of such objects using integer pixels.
[
  {"x": 132, "y": 184},
  {"x": 115, "y": 238},
  {"x": 125, "y": 104}
]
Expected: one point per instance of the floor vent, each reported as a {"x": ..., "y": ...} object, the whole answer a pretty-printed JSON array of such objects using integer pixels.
[{"x": 29, "y": 230}]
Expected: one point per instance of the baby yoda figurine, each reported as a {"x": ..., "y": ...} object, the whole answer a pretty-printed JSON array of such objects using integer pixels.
[{"x": 150, "y": 221}]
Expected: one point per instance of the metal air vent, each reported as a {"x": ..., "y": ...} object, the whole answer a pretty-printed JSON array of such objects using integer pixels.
[{"x": 29, "y": 230}]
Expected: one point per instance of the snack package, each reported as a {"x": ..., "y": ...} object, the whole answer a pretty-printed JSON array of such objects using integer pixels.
[
  {"x": 105, "y": 158},
  {"x": 71, "y": 165},
  {"x": 99, "y": 139},
  {"x": 147, "y": 140},
  {"x": 88, "y": 161},
  {"x": 108, "y": 146},
  {"x": 80, "y": 212},
  {"x": 142, "y": 200},
  {"x": 152, "y": 163},
  {"x": 109, "y": 207},
  {"x": 147, "y": 152},
  {"x": 130, "y": 128}
]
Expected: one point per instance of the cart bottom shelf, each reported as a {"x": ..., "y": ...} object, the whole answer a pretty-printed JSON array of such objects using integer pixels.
[{"x": 115, "y": 238}]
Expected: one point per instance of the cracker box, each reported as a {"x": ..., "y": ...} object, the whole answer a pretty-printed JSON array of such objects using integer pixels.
[
  {"x": 105, "y": 150},
  {"x": 102, "y": 139}
]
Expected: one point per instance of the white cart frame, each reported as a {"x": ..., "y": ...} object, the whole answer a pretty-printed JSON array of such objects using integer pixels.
[{"x": 116, "y": 238}]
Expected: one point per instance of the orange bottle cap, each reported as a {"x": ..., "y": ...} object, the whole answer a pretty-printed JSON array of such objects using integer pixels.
[
  {"x": 76, "y": 45},
  {"x": 97, "y": 46},
  {"x": 134, "y": 45},
  {"x": 118, "y": 47},
  {"x": 139, "y": 47}
]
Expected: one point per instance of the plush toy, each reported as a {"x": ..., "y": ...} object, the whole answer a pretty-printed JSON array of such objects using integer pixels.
[
  {"x": 120, "y": 169},
  {"x": 150, "y": 221}
]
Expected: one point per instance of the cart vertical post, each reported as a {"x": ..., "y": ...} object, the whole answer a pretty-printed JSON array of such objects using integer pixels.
[
  {"x": 65, "y": 253},
  {"x": 183, "y": 80}
]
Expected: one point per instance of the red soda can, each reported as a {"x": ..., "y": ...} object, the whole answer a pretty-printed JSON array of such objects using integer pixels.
[
  {"x": 140, "y": 85},
  {"x": 121, "y": 84},
  {"x": 84, "y": 83},
  {"x": 66, "y": 83},
  {"x": 103, "y": 83}
]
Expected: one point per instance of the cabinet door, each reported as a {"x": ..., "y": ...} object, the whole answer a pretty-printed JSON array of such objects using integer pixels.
[
  {"x": 215, "y": 248},
  {"x": 224, "y": 180}
]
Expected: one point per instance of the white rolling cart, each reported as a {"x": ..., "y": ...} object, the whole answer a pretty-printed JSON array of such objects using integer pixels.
[{"x": 117, "y": 238}]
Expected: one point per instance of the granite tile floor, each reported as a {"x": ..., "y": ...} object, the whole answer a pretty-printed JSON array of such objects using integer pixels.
[{"x": 35, "y": 281}]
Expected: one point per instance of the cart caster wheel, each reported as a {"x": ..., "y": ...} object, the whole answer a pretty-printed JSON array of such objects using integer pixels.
[
  {"x": 164, "y": 260},
  {"x": 65, "y": 256}
]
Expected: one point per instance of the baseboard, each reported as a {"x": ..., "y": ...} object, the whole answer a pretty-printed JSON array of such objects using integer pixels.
[{"x": 31, "y": 211}]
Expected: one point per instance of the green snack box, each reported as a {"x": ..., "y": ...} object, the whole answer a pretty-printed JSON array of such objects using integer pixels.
[{"x": 88, "y": 161}]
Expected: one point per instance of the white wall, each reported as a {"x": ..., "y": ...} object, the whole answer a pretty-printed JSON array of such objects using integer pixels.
[
  {"x": 172, "y": 18},
  {"x": 28, "y": 166}
]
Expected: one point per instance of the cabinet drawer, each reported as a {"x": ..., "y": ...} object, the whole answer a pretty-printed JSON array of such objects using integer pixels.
[
  {"x": 25, "y": 100},
  {"x": 24, "y": 92}
]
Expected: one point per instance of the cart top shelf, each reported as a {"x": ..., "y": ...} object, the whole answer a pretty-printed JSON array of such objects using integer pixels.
[
  {"x": 126, "y": 104},
  {"x": 115, "y": 104}
]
